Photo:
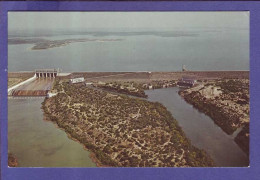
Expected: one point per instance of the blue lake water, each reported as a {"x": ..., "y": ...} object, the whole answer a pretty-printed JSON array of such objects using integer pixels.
[{"x": 208, "y": 50}]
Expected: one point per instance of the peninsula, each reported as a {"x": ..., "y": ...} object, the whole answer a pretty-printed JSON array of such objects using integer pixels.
[
  {"x": 40, "y": 44},
  {"x": 121, "y": 130}
]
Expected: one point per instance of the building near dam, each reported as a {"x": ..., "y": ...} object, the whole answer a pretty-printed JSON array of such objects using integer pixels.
[
  {"x": 77, "y": 80},
  {"x": 187, "y": 82},
  {"x": 38, "y": 85}
]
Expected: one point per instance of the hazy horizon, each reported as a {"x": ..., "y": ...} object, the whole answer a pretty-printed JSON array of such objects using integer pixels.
[{"x": 126, "y": 20}]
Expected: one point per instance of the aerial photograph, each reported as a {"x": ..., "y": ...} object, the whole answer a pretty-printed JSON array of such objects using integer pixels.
[{"x": 128, "y": 89}]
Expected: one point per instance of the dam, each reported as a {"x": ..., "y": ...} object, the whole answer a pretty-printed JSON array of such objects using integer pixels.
[
  {"x": 45, "y": 73},
  {"x": 38, "y": 85}
]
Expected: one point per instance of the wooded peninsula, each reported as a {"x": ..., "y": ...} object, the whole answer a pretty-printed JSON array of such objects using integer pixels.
[{"x": 122, "y": 131}]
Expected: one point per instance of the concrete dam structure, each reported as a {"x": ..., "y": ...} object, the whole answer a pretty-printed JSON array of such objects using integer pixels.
[
  {"x": 38, "y": 85},
  {"x": 46, "y": 73}
]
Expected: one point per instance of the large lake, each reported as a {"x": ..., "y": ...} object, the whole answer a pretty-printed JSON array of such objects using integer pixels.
[{"x": 226, "y": 49}]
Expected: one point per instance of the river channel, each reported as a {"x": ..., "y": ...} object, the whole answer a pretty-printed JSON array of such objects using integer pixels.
[
  {"x": 39, "y": 143},
  {"x": 201, "y": 129}
]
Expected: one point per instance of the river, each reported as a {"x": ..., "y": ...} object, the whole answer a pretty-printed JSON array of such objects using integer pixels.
[
  {"x": 38, "y": 143},
  {"x": 201, "y": 129}
]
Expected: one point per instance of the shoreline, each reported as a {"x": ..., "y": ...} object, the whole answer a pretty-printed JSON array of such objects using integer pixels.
[
  {"x": 197, "y": 106},
  {"x": 226, "y": 129},
  {"x": 229, "y": 123},
  {"x": 44, "y": 44},
  {"x": 92, "y": 155}
]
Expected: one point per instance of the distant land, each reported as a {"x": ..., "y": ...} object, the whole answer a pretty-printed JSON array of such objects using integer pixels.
[
  {"x": 40, "y": 44},
  {"x": 102, "y": 33}
]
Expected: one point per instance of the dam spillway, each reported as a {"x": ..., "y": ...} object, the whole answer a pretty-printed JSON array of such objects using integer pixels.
[
  {"x": 37, "y": 87},
  {"x": 45, "y": 73}
]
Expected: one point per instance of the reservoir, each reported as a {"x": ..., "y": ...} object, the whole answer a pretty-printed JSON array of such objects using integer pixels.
[
  {"x": 39, "y": 143},
  {"x": 200, "y": 129},
  {"x": 208, "y": 50}
]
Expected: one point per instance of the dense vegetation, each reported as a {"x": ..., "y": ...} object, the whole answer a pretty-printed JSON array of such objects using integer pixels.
[
  {"x": 129, "y": 88},
  {"x": 229, "y": 110},
  {"x": 122, "y": 131},
  {"x": 232, "y": 86},
  {"x": 242, "y": 139},
  {"x": 216, "y": 113}
]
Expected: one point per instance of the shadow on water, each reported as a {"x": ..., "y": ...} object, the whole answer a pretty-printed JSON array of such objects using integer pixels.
[{"x": 201, "y": 129}]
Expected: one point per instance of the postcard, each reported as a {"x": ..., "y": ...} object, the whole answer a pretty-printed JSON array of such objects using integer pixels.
[{"x": 94, "y": 93}]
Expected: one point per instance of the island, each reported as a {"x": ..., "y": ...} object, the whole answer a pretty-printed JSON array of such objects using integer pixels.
[{"x": 40, "y": 44}]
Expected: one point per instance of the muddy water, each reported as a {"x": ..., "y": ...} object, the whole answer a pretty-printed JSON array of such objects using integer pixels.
[
  {"x": 200, "y": 129},
  {"x": 38, "y": 143}
]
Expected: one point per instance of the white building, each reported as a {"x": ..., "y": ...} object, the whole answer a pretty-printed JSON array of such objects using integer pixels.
[
  {"x": 89, "y": 83},
  {"x": 49, "y": 94},
  {"x": 77, "y": 80}
]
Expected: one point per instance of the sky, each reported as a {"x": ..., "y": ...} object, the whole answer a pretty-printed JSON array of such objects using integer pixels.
[{"x": 126, "y": 20}]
